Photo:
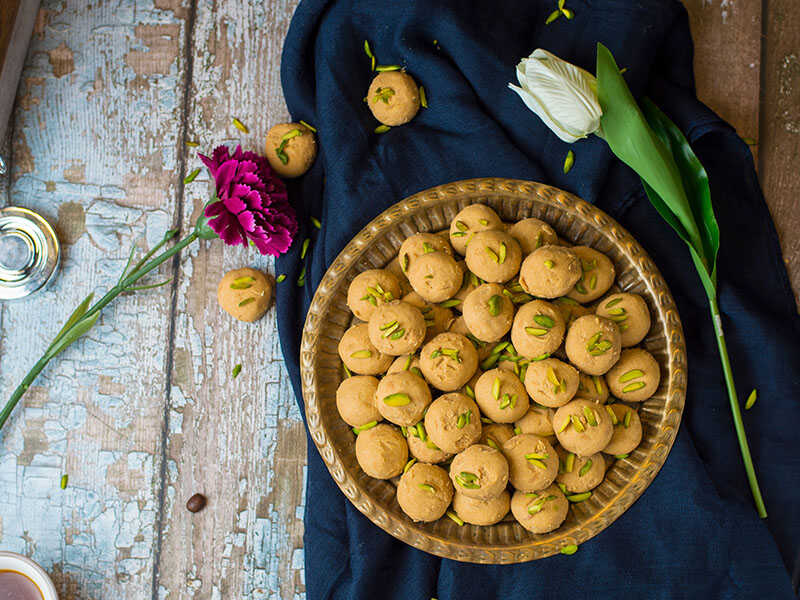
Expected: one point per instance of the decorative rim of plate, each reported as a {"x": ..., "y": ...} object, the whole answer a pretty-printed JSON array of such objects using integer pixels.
[{"x": 638, "y": 470}]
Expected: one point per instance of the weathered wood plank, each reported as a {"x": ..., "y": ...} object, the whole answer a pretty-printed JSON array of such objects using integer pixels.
[
  {"x": 95, "y": 151},
  {"x": 779, "y": 141},
  {"x": 240, "y": 442},
  {"x": 727, "y": 62}
]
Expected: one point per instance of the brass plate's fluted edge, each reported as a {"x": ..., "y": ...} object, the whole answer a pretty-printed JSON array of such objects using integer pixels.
[{"x": 574, "y": 220}]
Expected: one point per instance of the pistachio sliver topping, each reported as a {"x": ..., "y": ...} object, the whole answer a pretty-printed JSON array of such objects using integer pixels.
[
  {"x": 421, "y": 433},
  {"x": 451, "y": 353},
  {"x": 469, "y": 391},
  {"x": 492, "y": 254},
  {"x": 396, "y": 335},
  {"x": 500, "y": 347},
  {"x": 455, "y": 518},
  {"x": 483, "y": 222},
  {"x": 461, "y": 226},
  {"x": 751, "y": 400},
  {"x": 569, "y": 549},
  {"x": 579, "y": 497},
  {"x": 614, "y": 302},
  {"x": 552, "y": 377},
  {"x": 409, "y": 464},
  {"x": 537, "y": 455},
  {"x": 549, "y": 264},
  {"x": 576, "y": 423},
  {"x": 496, "y": 388},
  {"x": 620, "y": 456},
  {"x": 612, "y": 415},
  {"x": 627, "y": 420},
  {"x": 404, "y": 263},
  {"x": 495, "y": 303},
  {"x": 361, "y": 354},
  {"x": 598, "y": 385},
  {"x": 544, "y": 320},
  {"x": 382, "y": 129},
  {"x": 427, "y": 487},
  {"x": 593, "y": 340},
  {"x": 364, "y": 427},
  {"x": 569, "y": 462},
  {"x": 517, "y": 431},
  {"x": 535, "y": 331},
  {"x": 390, "y": 329},
  {"x": 615, "y": 312},
  {"x": 468, "y": 480},
  {"x": 632, "y": 387},
  {"x": 537, "y": 463},
  {"x": 247, "y": 301},
  {"x": 450, "y": 303},
  {"x": 397, "y": 399},
  {"x": 632, "y": 374},
  {"x": 564, "y": 425},
  {"x": 487, "y": 420},
  {"x": 501, "y": 254},
  {"x": 242, "y": 283},
  {"x": 585, "y": 468},
  {"x": 492, "y": 443},
  {"x": 590, "y": 416}
]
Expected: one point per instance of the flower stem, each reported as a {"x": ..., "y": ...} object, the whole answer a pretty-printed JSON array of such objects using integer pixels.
[
  {"x": 139, "y": 271},
  {"x": 744, "y": 448}
]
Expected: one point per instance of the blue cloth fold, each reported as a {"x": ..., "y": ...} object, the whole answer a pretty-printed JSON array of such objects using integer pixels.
[{"x": 694, "y": 532}]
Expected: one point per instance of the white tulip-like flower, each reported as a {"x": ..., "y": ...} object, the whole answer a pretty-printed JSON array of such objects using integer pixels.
[{"x": 563, "y": 95}]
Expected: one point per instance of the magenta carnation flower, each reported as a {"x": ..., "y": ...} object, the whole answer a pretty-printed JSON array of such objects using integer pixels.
[{"x": 251, "y": 203}]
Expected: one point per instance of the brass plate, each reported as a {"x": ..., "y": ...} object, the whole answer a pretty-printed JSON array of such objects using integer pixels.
[{"x": 432, "y": 210}]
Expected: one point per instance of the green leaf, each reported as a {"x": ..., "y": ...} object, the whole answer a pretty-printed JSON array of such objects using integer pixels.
[
  {"x": 630, "y": 137},
  {"x": 78, "y": 329},
  {"x": 694, "y": 178},
  {"x": 73, "y": 318}
]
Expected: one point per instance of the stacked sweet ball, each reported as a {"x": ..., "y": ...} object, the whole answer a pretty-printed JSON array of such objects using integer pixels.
[{"x": 503, "y": 380}]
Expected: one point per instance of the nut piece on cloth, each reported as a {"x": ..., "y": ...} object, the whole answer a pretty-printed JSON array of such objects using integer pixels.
[{"x": 245, "y": 294}]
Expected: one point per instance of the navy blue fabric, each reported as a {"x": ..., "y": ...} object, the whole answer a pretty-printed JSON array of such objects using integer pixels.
[{"x": 694, "y": 533}]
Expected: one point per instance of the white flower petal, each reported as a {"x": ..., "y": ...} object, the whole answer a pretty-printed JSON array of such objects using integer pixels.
[{"x": 533, "y": 103}]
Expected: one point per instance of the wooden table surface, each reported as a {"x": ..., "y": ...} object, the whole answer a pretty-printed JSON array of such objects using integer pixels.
[{"x": 144, "y": 412}]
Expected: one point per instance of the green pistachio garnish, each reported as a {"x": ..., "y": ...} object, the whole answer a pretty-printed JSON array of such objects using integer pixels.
[
  {"x": 495, "y": 304},
  {"x": 280, "y": 278},
  {"x": 598, "y": 385},
  {"x": 564, "y": 425},
  {"x": 451, "y": 353},
  {"x": 461, "y": 226},
  {"x": 483, "y": 222},
  {"x": 627, "y": 420},
  {"x": 537, "y": 463},
  {"x": 314, "y": 129},
  {"x": 549, "y": 264},
  {"x": 396, "y": 335},
  {"x": 500, "y": 347},
  {"x": 612, "y": 415},
  {"x": 632, "y": 387},
  {"x": 421, "y": 433},
  {"x": 585, "y": 468},
  {"x": 385, "y": 68},
  {"x": 247, "y": 301},
  {"x": 591, "y": 416},
  {"x": 364, "y": 427},
  {"x": 242, "y": 283},
  {"x": 467, "y": 480},
  {"x": 579, "y": 497},
  {"x": 455, "y": 518},
  {"x": 569, "y": 549},
  {"x": 191, "y": 176},
  {"x": 501, "y": 254},
  {"x": 404, "y": 263},
  {"x": 487, "y": 420},
  {"x": 492, "y": 254},
  {"x": 616, "y": 312},
  {"x": 751, "y": 400},
  {"x": 469, "y": 391},
  {"x": 613, "y": 302},
  {"x": 361, "y": 354},
  {"x": 427, "y": 487},
  {"x": 409, "y": 464},
  {"x": 517, "y": 431},
  {"x": 576, "y": 423},
  {"x": 237, "y": 368},
  {"x": 464, "y": 419},
  {"x": 490, "y": 362},
  {"x": 347, "y": 373},
  {"x": 416, "y": 371},
  {"x": 562, "y": 487},
  {"x": 537, "y": 455},
  {"x": 301, "y": 279},
  {"x": 632, "y": 374},
  {"x": 382, "y": 129},
  {"x": 398, "y": 399},
  {"x": 620, "y": 456},
  {"x": 383, "y": 94},
  {"x": 535, "y": 331},
  {"x": 450, "y": 303},
  {"x": 427, "y": 248},
  {"x": 569, "y": 462},
  {"x": 570, "y": 159},
  {"x": 544, "y": 320},
  {"x": 540, "y": 357},
  {"x": 496, "y": 388},
  {"x": 492, "y": 443}
]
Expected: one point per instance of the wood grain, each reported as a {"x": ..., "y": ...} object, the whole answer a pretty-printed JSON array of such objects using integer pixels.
[
  {"x": 94, "y": 152},
  {"x": 727, "y": 61},
  {"x": 780, "y": 128},
  {"x": 241, "y": 442}
]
